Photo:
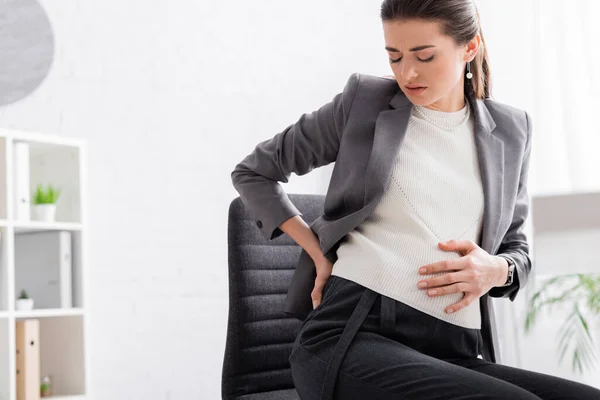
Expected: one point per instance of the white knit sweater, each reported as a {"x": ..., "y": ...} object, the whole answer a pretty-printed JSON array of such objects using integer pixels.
[{"x": 434, "y": 194}]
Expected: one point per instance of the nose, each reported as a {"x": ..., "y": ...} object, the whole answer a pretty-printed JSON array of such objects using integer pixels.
[{"x": 407, "y": 71}]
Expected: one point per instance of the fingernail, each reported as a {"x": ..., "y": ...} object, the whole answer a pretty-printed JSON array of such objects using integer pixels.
[
  {"x": 432, "y": 292},
  {"x": 423, "y": 270},
  {"x": 314, "y": 304},
  {"x": 422, "y": 284},
  {"x": 450, "y": 311}
]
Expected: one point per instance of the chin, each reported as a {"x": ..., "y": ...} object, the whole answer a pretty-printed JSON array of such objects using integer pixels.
[{"x": 417, "y": 101}]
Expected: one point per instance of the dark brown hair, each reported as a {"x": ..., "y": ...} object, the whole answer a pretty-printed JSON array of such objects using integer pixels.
[{"x": 458, "y": 19}]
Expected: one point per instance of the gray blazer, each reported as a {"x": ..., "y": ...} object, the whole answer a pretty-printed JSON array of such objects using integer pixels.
[{"x": 361, "y": 130}]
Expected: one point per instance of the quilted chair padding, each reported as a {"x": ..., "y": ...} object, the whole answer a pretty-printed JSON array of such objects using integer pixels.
[{"x": 259, "y": 334}]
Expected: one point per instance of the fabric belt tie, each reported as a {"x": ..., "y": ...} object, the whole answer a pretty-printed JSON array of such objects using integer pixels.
[{"x": 387, "y": 324}]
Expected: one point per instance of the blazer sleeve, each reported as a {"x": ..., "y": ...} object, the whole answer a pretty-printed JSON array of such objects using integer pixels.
[
  {"x": 514, "y": 244},
  {"x": 312, "y": 141}
]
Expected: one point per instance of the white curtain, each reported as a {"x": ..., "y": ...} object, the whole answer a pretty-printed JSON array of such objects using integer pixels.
[
  {"x": 566, "y": 96},
  {"x": 564, "y": 88}
]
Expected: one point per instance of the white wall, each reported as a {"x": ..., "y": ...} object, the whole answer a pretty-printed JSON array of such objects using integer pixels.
[{"x": 170, "y": 96}]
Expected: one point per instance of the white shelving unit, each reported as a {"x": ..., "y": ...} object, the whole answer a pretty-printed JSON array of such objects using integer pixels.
[{"x": 63, "y": 343}]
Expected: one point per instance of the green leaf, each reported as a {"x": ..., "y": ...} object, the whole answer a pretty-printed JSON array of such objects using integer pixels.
[
  {"x": 575, "y": 332},
  {"x": 48, "y": 196}
]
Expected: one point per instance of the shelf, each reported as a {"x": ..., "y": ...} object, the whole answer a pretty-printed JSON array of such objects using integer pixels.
[
  {"x": 45, "y": 258},
  {"x": 45, "y": 164},
  {"x": 41, "y": 138},
  {"x": 48, "y": 313},
  {"x": 62, "y": 355},
  {"x": 36, "y": 226},
  {"x": 58, "y": 285}
]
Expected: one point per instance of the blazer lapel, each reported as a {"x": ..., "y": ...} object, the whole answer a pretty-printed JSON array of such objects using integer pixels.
[
  {"x": 390, "y": 130},
  {"x": 490, "y": 151}
]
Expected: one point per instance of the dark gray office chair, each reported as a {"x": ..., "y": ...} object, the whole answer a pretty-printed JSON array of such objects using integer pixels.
[{"x": 259, "y": 334}]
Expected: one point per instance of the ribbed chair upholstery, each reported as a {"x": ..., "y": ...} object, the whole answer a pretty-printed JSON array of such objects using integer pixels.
[{"x": 259, "y": 334}]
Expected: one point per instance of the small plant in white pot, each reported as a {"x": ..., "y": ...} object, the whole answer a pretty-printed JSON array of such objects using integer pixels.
[
  {"x": 24, "y": 302},
  {"x": 44, "y": 203}
]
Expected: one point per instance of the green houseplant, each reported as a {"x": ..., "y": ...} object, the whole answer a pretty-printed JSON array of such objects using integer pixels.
[
  {"x": 24, "y": 302},
  {"x": 44, "y": 202},
  {"x": 580, "y": 294},
  {"x": 46, "y": 387}
]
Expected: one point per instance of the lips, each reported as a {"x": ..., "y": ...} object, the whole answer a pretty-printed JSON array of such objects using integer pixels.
[{"x": 416, "y": 90}]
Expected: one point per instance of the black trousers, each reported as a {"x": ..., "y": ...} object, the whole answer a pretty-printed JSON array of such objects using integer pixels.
[{"x": 359, "y": 344}]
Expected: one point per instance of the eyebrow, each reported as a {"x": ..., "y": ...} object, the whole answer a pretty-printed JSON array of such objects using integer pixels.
[{"x": 413, "y": 49}]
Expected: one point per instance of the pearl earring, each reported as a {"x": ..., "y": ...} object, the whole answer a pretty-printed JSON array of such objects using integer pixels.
[{"x": 469, "y": 74}]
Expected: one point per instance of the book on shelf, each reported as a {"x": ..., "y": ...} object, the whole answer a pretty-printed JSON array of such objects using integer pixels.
[
  {"x": 43, "y": 268},
  {"x": 27, "y": 337},
  {"x": 21, "y": 176}
]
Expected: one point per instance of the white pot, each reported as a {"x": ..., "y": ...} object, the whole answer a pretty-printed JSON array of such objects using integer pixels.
[
  {"x": 24, "y": 304},
  {"x": 44, "y": 212}
]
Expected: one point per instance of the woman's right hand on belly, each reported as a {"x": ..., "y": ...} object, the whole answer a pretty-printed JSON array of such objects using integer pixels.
[{"x": 324, "y": 268}]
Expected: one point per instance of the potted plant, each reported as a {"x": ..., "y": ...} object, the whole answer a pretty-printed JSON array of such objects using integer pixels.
[
  {"x": 24, "y": 302},
  {"x": 580, "y": 293},
  {"x": 44, "y": 203},
  {"x": 46, "y": 386}
]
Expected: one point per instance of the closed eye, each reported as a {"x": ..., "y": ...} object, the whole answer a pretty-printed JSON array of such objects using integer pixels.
[{"x": 398, "y": 60}]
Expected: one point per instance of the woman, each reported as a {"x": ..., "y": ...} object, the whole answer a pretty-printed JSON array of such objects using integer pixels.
[{"x": 430, "y": 174}]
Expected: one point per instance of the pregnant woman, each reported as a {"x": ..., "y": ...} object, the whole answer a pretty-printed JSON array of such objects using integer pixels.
[{"x": 423, "y": 220}]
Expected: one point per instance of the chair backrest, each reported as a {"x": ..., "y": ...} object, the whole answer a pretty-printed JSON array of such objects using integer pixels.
[{"x": 259, "y": 334}]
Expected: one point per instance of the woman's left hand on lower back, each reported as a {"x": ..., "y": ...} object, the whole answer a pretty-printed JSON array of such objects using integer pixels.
[{"x": 475, "y": 273}]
